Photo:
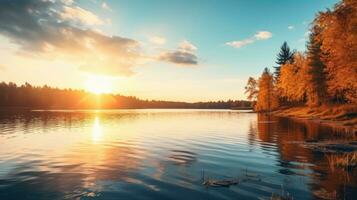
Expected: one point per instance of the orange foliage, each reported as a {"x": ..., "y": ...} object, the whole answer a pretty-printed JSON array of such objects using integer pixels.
[{"x": 339, "y": 46}]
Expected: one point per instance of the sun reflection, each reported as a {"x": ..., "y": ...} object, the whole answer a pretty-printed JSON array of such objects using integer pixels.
[{"x": 97, "y": 130}]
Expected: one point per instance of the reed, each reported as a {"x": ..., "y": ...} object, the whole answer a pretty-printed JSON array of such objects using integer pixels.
[{"x": 346, "y": 161}]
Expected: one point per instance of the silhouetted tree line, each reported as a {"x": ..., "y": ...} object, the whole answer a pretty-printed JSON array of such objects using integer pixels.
[
  {"x": 28, "y": 96},
  {"x": 326, "y": 73}
]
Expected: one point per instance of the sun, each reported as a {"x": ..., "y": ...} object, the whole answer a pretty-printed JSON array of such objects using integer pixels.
[{"x": 99, "y": 85}]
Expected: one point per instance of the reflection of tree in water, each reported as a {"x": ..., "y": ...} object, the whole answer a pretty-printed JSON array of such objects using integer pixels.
[
  {"x": 252, "y": 134},
  {"x": 288, "y": 135}
]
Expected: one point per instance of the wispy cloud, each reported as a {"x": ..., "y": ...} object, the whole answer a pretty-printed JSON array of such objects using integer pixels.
[
  {"x": 263, "y": 35},
  {"x": 67, "y": 2},
  {"x": 157, "y": 40},
  {"x": 185, "y": 54},
  {"x": 105, "y": 6},
  {"x": 79, "y": 15},
  {"x": 260, "y": 35},
  {"x": 240, "y": 43},
  {"x": 187, "y": 46},
  {"x": 291, "y": 27}
]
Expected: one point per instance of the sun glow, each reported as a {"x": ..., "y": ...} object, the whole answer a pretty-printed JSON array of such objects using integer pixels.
[
  {"x": 99, "y": 85},
  {"x": 97, "y": 130}
]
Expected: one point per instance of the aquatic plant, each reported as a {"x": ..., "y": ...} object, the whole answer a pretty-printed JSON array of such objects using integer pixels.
[{"x": 346, "y": 161}]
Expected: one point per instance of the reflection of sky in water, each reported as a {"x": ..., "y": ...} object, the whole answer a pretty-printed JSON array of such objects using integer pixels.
[
  {"x": 97, "y": 130},
  {"x": 157, "y": 154}
]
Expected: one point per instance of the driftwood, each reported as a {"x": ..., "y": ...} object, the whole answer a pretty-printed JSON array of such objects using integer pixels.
[{"x": 218, "y": 183}]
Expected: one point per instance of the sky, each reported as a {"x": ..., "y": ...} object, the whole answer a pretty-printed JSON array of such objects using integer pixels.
[{"x": 182, "y": 50}]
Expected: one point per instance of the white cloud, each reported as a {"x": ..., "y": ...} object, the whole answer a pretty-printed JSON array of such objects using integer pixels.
[
  {"x": 187, "y": 46},
  {"x": 106, "y": 6},
  {"x": 260, "y": 35},
  {"x": 291, "y": 27},
  {"x": 239, "y": 44},
  {"x": 67, "y": 2},
  {"x": 80, "y": 15},
  {"x": 263, "y": 35},
  {"x": 157, "y": 40}
]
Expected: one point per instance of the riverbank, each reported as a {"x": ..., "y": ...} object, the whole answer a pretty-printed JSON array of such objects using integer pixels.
[{"x": 342, "y": 117}]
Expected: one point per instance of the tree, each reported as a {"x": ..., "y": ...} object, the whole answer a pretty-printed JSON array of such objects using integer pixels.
[
  {"x": 338, "y": 38},
  {"x": 292, "y": 82},
  {"x": 251, "y": 89},
  {"x": 316, "y": 80},
  {"x": 34, "y": 97},
  {"x": 267, "y": 97},
  {"x": 285, "y": 56}
]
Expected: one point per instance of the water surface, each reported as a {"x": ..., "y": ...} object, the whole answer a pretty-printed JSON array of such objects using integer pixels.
[{"x": 163, "y": 154}]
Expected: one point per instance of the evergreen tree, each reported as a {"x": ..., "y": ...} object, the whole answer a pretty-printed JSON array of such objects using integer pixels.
[
  {"x": 316, "y": 80},
  {"x": 285, "y": 56}
]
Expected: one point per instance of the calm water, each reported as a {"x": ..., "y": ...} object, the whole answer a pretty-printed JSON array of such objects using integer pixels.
[{"x": 162, "y": 154}]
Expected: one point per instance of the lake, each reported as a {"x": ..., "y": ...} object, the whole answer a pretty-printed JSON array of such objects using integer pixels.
[{"x": 164, "y": 154}]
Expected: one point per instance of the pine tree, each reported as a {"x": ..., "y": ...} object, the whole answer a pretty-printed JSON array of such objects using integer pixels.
[
  {"x": 316, "y": 83},
  {"x": 285, "y": 56}
]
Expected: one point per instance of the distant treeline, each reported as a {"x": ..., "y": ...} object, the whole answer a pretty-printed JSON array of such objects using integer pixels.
[
  {"x": 28, "y": 96},
  {"x": 326, "y": 73}
]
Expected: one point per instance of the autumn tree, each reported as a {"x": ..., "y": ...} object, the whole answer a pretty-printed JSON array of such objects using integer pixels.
[
  {"x": 285, "y": 56},
  {"x": 292, "y": 82},
  {"x": 338, "y": 39},
  {"x": 267, "y": 98}
]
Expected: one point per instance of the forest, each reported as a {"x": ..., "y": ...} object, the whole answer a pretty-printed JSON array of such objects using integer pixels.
[
  {"x": 324, "y": 74},
  {"x": 30, "y": 97}
]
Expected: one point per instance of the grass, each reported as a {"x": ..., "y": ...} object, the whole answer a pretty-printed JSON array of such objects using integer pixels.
[
  {"x": 346, "y": 161},
  {"x": 333, "y": 115}
]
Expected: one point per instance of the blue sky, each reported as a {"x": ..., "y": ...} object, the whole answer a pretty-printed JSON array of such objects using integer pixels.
[{"x": 208, "y": 26}]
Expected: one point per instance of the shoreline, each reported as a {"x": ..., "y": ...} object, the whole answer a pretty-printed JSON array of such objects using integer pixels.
[
  {"x": 129, "y": 108},
  {"x": 339, "y": 117}
]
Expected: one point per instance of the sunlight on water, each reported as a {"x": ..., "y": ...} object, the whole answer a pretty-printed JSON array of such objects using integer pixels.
[
  {"x": 162, "y": 154},
  {"x": 97, "y": 130}
]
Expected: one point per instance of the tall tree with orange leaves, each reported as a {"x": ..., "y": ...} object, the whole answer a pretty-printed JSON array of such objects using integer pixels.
[
  {"x": 292, "y": 83},
  {"x": 338, "y": 38},
  {"x": 267, "y": 96}
]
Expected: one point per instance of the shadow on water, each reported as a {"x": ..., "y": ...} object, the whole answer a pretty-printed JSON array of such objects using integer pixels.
[{"x": 153, "y": 154}]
